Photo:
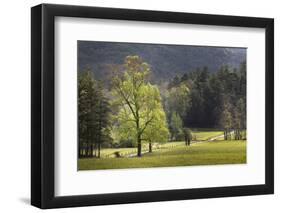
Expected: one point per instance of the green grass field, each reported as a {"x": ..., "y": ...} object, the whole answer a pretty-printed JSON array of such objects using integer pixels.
[
  {"x": 175, "y": 154},
  {"x": 205, "y": 135},
  {"x": 109, "y": 152},
  {"x": 198, "y": 134}
]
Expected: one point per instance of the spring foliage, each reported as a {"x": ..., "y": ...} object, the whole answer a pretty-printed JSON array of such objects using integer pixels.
[{"x": 141, "y": 116}]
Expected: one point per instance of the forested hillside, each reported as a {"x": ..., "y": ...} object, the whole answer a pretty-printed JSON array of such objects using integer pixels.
[{"x": 165, "y": 60}]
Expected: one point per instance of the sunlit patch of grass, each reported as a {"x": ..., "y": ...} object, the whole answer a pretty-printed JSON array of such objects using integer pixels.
[
  {"x": 206, "y": 153},
  {"x": 205, "y": 135}
]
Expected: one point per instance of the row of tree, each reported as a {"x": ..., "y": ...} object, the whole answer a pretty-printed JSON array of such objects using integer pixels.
[
  {"x": 93, "y": 116},
  {"x": 207, "y": 100}
]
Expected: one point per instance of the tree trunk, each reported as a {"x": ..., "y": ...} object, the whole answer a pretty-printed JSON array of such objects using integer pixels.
[
  {"x": 139, "y": 145},
  {"x": 91, "y": 150},
  {"x": 238, "y": 134},
  {"x": 228, "y": 134},
  {"x": 95, "y": 148},
  {"x": 99, "y": 146},
  {"x": 79, "y": 150},
  {"x": 150, "y": 147},
  {"x": 87, "y": 150}
]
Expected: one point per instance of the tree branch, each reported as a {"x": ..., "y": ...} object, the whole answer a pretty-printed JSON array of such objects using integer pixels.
[
  {"x": 127, "y": 101},
  {"x": 146, "y": 124}
]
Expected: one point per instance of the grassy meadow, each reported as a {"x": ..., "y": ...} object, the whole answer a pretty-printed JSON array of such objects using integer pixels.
[
  {"x": 199, "y": 135},
  {"x": 175, "y": 154},
  {"x": 203, "y": 135}
]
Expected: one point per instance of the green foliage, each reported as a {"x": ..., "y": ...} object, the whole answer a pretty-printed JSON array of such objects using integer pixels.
[
  {"x": 179, "y": 100},
  {"x": 215, "y": 99},
  {"x": 94, "y": 116},
  {"x": 157, "y": 130},
  {"x": 226, "y": 121},
  {"x": 176, "y": 127},
  {"x": 226, "y": 116},
  {"x": 140, "y": 107}
]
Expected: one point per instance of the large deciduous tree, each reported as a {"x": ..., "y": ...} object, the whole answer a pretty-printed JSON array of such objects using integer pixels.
[
  {"x": 139, "y": 101},
  {"x": 157, "y": 130}
]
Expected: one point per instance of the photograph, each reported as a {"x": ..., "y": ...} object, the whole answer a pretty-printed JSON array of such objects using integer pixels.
[
  {"x": 139, "y": 105},
  {"x": 144, "y": 105}
]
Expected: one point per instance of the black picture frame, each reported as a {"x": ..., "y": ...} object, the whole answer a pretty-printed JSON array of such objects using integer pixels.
[{"x": 43, "y": 102}]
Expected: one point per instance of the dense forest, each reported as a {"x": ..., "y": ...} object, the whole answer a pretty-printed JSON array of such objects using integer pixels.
[{"x": 127, "y": 109}]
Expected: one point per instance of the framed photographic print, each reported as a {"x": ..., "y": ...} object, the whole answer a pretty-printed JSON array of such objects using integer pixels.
[{"x": 139, "y": 106}]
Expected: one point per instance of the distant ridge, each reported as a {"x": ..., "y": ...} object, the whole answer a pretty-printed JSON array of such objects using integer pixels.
[{"x": 166, "y": 60}]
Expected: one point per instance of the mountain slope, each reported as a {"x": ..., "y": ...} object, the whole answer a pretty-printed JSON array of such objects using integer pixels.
[{"x": 166, "y": 60}]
